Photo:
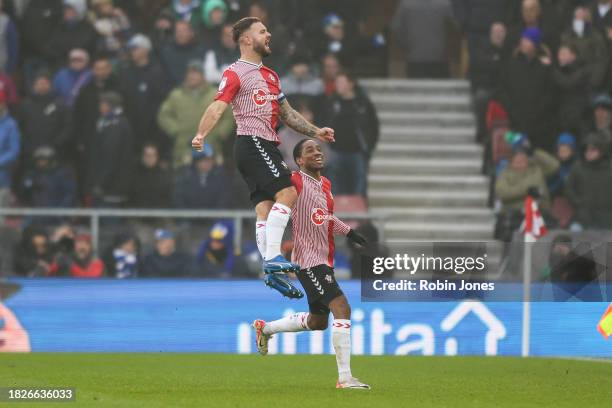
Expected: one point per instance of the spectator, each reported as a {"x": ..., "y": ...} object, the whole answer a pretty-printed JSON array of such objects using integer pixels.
[
  {"x": 526, "y": 89},
  {"x": 203, "y": 184},
  {"x": 123, "y": 260},
  {"x": 175, "y": 56},
  {"x": 602, "y": 115},
  {"x": 87, "y": 110},
  {"x": 486, "y": 62},
  {"x": 111, "y": 24},
  {"x": 48, "y": 184},
  {"x": 144, "y": 85},
  {"x": 83, "y": 263},
  {"x": 152, "y": 185},
  {"x": 600, "y": 11},
  {"x": 73, "y": 32},
  {"x": 521, "y": 178},
  {"x": 215, "y": 255},
  {"x": 588, "y": 185},
  {"x": 9, "y": 44},
  {"x": 69, "y": 81},
  {"x": 300, "y": 79},
  {"x": 214, "y": 14},
  {"x": 180, "y": 115},
  {"x": 531, "y": 16},
  {"x": 331, "y": 68},
  {"x": 166, "y": 261},
  {"x": 10, "y": 145},
  {"x": 351, "y": 114},
  {"x": 186, "y": 10},
  {"x": 111, "y": 155},
  {"x": 33, "y": 257},
  {"x": 421, "y": 30},
  {"x": 571, "y": 77},
  {"x": 566, "y": 155},
  {"x": 219, "y": 58},
  {"x": 290, "y": 137},
  {"x": 335, "y": 41},
  {"x": 41, "y": 17},
  {"x": 44, "y": 120},
  {"x": 589, "y": 44},
  {"x": 476, "y": 19},
  {"x": 163, "y": 30},
  {"x": 62, "y": 248}
]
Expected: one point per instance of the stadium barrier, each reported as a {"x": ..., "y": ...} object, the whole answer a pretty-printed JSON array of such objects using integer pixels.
[
  {"x": 68, "y": 315},
  {"x": 95, "y": 217}
]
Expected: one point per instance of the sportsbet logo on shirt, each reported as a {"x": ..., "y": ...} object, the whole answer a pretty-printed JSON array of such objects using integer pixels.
[
  {"x": 260, "y": 97},
  {"x": 318, "y": 216}
]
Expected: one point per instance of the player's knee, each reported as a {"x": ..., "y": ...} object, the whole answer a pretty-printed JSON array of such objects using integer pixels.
[
  {"x": 317, "y": 322},
  {"x": 287, "y": 196},
  {"x": 340, "y": 308}
]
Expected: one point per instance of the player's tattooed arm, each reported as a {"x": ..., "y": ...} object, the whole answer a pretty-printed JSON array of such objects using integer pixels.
[
  {"x": 297, "y": 122},
  {"x": 210, "y": 118}
]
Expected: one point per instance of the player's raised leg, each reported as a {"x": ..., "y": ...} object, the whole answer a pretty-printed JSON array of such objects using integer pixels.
[
  {"x": 341, "y": 340},
  {"x": 276, "y": 222}
]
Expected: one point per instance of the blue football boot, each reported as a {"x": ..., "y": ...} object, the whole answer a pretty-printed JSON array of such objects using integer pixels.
[
  {"x": 279, "y": 282},
  {"x": 279, "y": 264}
]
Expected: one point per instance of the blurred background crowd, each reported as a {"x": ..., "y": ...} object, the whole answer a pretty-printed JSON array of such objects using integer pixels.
[{"x": 99, "y": 101}]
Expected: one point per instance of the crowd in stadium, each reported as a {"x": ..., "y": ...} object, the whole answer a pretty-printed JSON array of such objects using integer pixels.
[{"x": 100, "y": 99}]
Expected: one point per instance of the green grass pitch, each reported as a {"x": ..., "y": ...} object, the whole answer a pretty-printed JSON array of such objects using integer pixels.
[{"x": 218, "y": 380}]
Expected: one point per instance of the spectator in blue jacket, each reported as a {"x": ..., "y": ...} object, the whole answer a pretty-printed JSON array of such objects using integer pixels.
[
  {"x": 69, "y": 80},
  {"x": 48, "y": 184},
  {"x": 175, "y": 56},
  {"x": 166, "y": 261},
  {"x": 566, "y": 154},
  {"x": 203, "y": 184},
  {"x": 10, "y": 144}
]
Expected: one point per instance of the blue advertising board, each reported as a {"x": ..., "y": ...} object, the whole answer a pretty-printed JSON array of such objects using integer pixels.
[{"x": 214, "y": 316}]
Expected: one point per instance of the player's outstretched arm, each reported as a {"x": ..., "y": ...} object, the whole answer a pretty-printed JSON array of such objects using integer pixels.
[
  {"x": 296, "y": 121},
  {"x": 208, "y": 122}
]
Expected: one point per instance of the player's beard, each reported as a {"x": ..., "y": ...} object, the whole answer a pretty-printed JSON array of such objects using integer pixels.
[{"x": 261, "y": 49}]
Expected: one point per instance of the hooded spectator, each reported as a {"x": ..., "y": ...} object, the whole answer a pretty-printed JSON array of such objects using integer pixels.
[
  {"x": 222, "y": 56},
  {"x": 571, "y": 77},
  {"x": 111, "y": 155},
  {"x": 601, "y": 116},
  {"x": 300, "y": 80},
  {"x": 353, "y": 116},
  {"x": 166, "y": 261},
  {"x": 588, "y": 185},
  {"x": 589, "y": 44},
  {"x": 9, "y": 44},
  {"x": 203, "y": 184},
  {"x": 144, "y": 85},
  {"x": 10, "y": 146},
  {"x": 176, "y": 55},
  {"x": 566, "y": 155},
  {"x": 111, "y": 24},
  {"x": 216, "y": 256},
  {"x": 163, "y": 30},
  {"x": 73, "y": 32},
  {"x": 152, "y": 185},
  {"x": 422, "y": 31},
  {"x": 33, "y": 257},
  {"x": 214, "y": 15},
  {"x": 181, "y": 112},
  {"x": 44, "y": 120},
  {"x": 527, "y": 89},
  {"x": 86, "y": 110},
  {"x": 69, "y": 81},
  {"x": 48, "y": 184}
]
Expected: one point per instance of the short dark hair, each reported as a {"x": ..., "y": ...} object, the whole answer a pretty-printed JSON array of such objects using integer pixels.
[
  {"x": 297, "y": 150},
  {"x": 243, "y": 25}
]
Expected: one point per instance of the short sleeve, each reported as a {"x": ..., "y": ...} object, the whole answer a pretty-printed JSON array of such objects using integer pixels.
[{"x": 229, "y": 86}]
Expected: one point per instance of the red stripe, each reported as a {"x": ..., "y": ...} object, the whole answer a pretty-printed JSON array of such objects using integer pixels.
[{"x": 330, "y": 223}]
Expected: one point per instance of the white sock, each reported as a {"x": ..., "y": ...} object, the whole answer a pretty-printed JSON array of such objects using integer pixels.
[
  {"x": 341, "y": 339},
  {"x": 260, "y": 237},
  {"x": 296, "y": 322},
  {"x": 275, "y": 228}
]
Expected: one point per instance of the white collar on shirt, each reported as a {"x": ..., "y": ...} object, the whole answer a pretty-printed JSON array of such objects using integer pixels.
[
  {"x": 312, "y": 178},
  {"x": 250, "y": 63}
]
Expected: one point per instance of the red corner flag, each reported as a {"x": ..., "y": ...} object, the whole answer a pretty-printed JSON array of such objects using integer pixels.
[
  {"x": 534, "y": 225},
  {"x": 605, "y": 324}
]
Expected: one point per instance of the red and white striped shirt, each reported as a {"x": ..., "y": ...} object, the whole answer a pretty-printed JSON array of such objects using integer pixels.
[
  {"x": 314, "y": 222},
  {"x": 255, "y": 94}
]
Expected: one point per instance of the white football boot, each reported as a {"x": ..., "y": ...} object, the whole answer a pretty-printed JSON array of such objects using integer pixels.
[
  {"x": 352, "y": 382},
  {"x": 261, "y": 339}
]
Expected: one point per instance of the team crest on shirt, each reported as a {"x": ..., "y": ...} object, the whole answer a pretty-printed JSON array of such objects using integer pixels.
[
  {"x": 222, "y": 84},
  {"x": 260, "y": 97},
  {"x": 328, "y": 278},
  {"x": 318, "y": 216},
  {"x": 272, "y": 78}
]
